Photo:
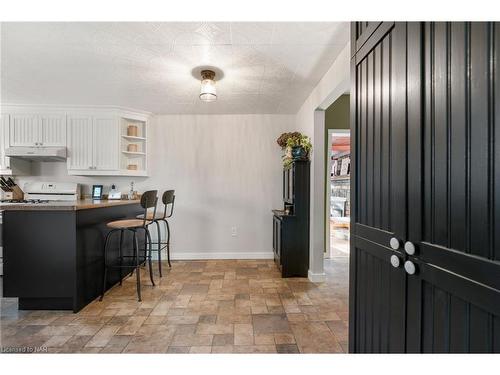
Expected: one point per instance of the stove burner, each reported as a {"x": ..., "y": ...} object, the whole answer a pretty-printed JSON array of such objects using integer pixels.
[{"x": 29, "y": 201}]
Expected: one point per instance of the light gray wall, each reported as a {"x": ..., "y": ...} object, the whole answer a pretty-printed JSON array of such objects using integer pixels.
[{"x": 227, "y": 172}]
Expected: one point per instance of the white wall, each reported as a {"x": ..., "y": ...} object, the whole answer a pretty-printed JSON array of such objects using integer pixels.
[
  {"x": 310, "y": 121},
  {"x": 226, "y": 170}
]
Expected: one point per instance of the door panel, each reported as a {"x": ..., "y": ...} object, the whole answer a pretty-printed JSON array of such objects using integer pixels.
[
  {"x": 380, "y": 289},
  {"x": 454, "y": 298},
  {"x": 377, "y": 294},
  {"x": 424, "y": 122},
  {"x": 456, "y": 313},
  {"x": 52, "y": 130},
  {"x": 106, "y": 146},
  {"x": 80, "y": 141},
  {"x": 23, "y": 130}
]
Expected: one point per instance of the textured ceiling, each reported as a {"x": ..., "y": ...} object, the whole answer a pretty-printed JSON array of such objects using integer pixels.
[{"x": 268, "y": 67}]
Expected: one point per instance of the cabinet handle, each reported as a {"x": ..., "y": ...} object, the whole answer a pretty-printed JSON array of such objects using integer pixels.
[
  {"x": 394, "y": 242},
  {"x": 395, "y": 261},
  {"x": 410, "y": 267},
  {"x": 409, "y": 248}
]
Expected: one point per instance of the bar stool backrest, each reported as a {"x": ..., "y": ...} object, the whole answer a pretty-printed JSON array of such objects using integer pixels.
[
  {"x": 148, "y": 200},
  {"x": 168, "y": 199}
]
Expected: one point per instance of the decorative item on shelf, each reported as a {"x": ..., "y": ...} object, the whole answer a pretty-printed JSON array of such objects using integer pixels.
[
  {"x": 132, "y": 148},
  {"x": 132, "y": 167},
  {"x": 296, "y": 147},
  {"x": 132, "y": 131}
]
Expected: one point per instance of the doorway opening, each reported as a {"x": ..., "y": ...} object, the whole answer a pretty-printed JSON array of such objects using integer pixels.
[
  {"x": 339, "y": 190},
  {"x": 337, "y": 180}
]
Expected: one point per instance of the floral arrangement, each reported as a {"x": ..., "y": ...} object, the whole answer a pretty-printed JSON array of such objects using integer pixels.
[{"x": 296, "y": 146}]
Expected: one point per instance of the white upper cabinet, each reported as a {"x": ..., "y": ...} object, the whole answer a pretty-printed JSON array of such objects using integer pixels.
[
  {"x": 4, "y": 137},
  {"x": 7, "y": 165},
  {"x": 93, "y": 145},
  {"x": 52, "y": 131},
  {"x": 106, "y": 143},
  {"x": 37, "y": 130},
  {"x": 80, "y": 143},
  {"x": 24, "y": 130},
  {"x": 98, "y": 140}
]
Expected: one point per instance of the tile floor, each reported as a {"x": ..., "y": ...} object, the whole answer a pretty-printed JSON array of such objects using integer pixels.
[{"x": 226, "y": 306}]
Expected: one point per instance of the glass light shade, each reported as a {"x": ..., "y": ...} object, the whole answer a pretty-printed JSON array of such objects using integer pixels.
[{"x": 208, "y": 93}]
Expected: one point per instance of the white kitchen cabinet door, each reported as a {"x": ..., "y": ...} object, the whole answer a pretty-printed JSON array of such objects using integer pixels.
[
  {"x": 80, "y": 143},
  {"x": 23, "y": 130},
  {"x": 106, "y": 143},
  {"x": 4, "y": 142},
  {"x": 52, "y": 131}
]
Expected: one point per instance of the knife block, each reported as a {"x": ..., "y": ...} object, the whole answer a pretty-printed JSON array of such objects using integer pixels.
[{"x": 16, "y": 193}]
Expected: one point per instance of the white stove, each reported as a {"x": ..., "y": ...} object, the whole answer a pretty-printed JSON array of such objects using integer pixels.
[
  {"x": 21, "y": 201},
  {"x": 41, "y": 192}
]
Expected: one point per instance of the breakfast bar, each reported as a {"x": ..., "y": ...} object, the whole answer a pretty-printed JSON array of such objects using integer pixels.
[{"x": 53, "y": 252}]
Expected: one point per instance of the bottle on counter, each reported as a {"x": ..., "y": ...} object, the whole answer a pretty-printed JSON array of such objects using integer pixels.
[{"x": 131, "y": 194}]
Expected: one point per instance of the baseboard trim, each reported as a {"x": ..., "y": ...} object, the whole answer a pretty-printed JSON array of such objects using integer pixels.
[
  {"x": 316, "y": 277},
  {"x": 209, "y": 256}
]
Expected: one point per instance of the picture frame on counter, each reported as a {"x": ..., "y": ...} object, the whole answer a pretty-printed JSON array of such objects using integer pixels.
[{"x": 97, "y": 191}]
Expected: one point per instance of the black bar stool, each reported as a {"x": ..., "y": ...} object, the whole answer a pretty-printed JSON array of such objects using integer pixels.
[
  {"x": 168, "y": 199},
  {"x": 148, "y": 200}
]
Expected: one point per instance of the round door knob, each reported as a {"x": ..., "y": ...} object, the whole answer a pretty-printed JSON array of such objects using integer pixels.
[
  {"x": 395, "y": 261},
  {"x": 410, "y": 267},
  {"x": 394, "y": 242},
  {"x": 409, "y": 248}
]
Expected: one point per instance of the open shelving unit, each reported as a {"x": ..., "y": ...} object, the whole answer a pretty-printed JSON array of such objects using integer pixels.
[{"x": 139, "y": 157}]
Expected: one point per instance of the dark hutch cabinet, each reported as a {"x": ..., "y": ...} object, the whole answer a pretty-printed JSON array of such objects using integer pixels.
[{"x": 291, "y": 224}]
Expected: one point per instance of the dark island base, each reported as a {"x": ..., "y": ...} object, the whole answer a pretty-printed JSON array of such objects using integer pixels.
[
  {"x": 46, "y": 304},
  {"x": 53, "y": 260}
]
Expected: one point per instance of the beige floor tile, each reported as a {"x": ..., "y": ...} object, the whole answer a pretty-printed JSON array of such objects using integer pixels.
[
  {"x": 218, "y": 328},
  {"x": 255, "y": 349},
  {"x": 192, "y": 340},
  {"x": 102, "y": 337},
  {"x": 264, "y": 339},
  {"x": 224, "y": 349},
  {"x": 200, "y": 349},
  {"x": 131, "y": 326},
  {"x": 284, "y": 338},
  {"x": 311, "y": 337},
  {"x": 55, "y": 341}
]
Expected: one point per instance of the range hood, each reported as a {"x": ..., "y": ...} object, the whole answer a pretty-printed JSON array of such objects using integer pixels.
[{"x": 37, "y": 153}]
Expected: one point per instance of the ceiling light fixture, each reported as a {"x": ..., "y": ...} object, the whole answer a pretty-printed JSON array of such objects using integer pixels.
[{"x": 208, "y": 93}]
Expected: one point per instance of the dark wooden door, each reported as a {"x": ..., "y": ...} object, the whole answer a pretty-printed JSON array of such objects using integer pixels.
[
  {"x": 453, "y": 298},
  {"x": 425, "y": 107},
  {"x": 378, "y": 107}
]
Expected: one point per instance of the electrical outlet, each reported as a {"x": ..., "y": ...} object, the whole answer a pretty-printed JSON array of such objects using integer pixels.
[{"x": 234, "y": 231}]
